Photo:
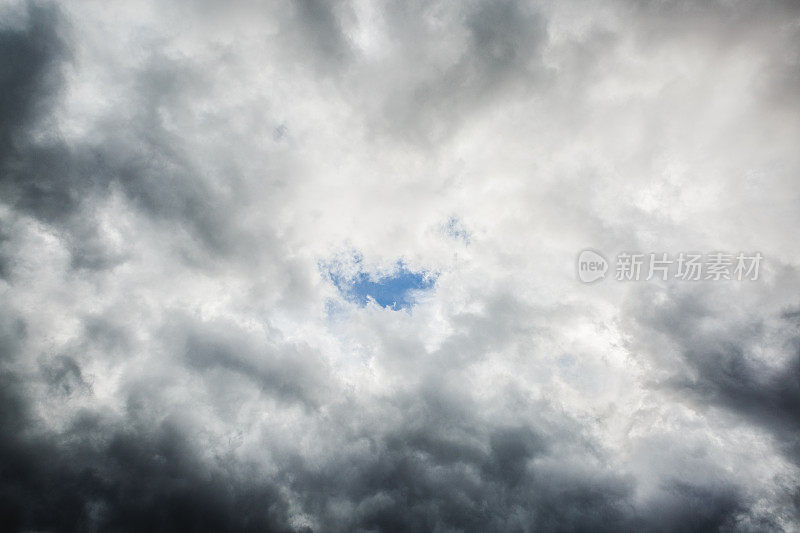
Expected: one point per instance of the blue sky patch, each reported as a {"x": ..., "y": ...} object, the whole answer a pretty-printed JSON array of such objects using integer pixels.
[
  {"x": 396, "y": 290},
  {"x": 455, "y": 228}
]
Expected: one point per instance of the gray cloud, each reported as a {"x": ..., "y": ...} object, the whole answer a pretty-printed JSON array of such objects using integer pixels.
[
  {"x": 172, "y": 356},
  {"x": 722, "y": 365}
]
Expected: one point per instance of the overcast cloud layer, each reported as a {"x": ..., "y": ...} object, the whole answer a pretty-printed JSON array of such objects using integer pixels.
[{"x": 186, "y": 187}]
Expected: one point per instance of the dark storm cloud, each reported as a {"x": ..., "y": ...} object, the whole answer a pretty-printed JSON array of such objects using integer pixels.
[
  {"x": 728, "y": 377},
  {"x": 455, "y": 472},
  {"x": 103, "y": 473},
  {"x": 697, "y": 508},
  {"x": 99, "y": 476},
  {"x": 29, "y": 81},
  {"x": 5, "y": 255},
  {"x": 55, "y": 181},
  {"x": 438, "y": 467},
  {"x": 723, "y": 368},
  {"x": 100, "y": 473},
  {"x": 27, "y": 76}
]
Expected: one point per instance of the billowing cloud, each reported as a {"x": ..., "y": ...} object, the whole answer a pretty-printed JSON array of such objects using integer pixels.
[{"x": 310, "y": 266}]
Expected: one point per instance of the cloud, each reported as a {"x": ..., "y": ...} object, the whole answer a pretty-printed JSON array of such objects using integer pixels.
[
  {"x": 183, "y": 187},
  {"x": 744, "y": 362}
]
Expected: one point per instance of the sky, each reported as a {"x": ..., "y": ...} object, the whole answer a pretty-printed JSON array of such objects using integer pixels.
[{"x": 313, "y": 266}]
